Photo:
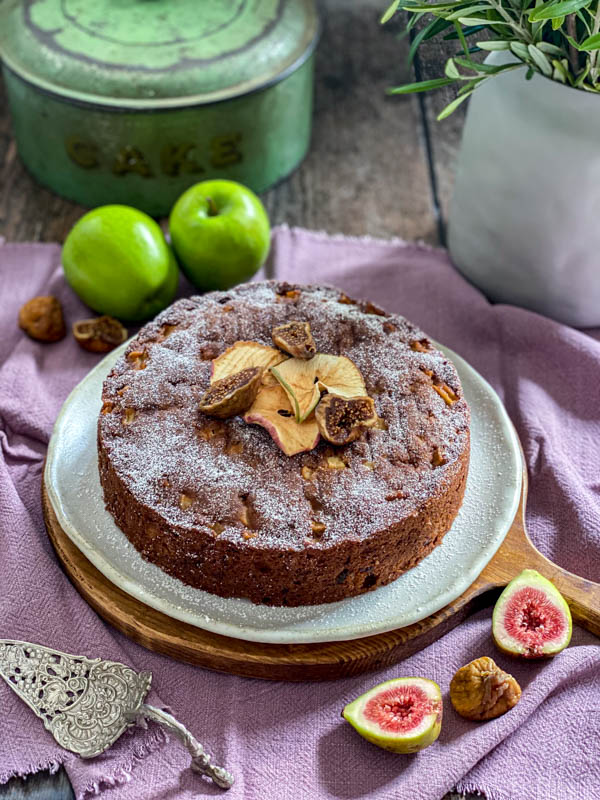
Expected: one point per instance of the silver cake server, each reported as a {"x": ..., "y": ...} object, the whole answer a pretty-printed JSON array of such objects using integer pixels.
[{"x": 87, "y": 703}]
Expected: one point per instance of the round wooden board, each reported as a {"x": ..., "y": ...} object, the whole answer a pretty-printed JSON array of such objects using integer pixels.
[{"x": 303, "y": 662}]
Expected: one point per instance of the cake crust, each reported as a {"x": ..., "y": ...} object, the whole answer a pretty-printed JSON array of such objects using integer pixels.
[{"x": 216, "y": 504}]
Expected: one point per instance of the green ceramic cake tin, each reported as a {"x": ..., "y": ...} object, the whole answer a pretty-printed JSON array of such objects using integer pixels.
[{"x": 132, "y": 101}]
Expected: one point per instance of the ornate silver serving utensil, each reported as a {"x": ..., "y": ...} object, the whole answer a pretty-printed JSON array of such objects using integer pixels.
[{"x": 87, "y": 703}]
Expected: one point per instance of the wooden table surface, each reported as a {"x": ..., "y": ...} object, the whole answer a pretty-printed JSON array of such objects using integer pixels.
[{"x": 378, "y": 166}]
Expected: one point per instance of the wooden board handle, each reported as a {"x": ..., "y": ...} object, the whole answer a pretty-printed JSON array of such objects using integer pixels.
[
  {"x": 518, "y": 553},
  {"x": 583, "y": 596}
]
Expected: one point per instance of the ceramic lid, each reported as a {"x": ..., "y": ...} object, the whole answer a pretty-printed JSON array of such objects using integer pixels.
[{"x": 155, "y": 53}]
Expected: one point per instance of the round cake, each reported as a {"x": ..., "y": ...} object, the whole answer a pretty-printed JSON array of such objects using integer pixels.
[{"x": 262, "y": 505}]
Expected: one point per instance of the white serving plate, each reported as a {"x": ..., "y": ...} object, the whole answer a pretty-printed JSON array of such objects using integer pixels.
[{"x": 490, "y": 503}]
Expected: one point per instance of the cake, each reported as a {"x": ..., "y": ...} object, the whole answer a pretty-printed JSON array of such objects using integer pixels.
[{"x": 219, "y": 505}]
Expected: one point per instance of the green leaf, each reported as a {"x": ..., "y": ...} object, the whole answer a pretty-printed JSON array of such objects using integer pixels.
[
  {"x": 480, "y": 21},
  {"x": 520, "y": 50},
  {"x": 390, "y": 12},
  {"x": 488, "y": 69},
  {"x": 540, "y": 60},
  {"x": 557, "y": 23},
  {"x": 420, "y": 86},
  {"x": 494, "y": 44},
  {"x": 583, "y": 75},
  {"x": 433, "y": 6},
  {"x": 561, "y": 73},
  {"x": 464, "y": 12},
  {"x": 550, "y": 49},
  {"x": 591, "y": 43},
  {"x": 451, "y": 70},
  {"x": 553, "y": 9},
  {"x": 451, "y": 107}
]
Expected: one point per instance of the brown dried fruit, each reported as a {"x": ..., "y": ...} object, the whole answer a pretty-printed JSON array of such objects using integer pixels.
[
  {"x": 99, "y": 335},
  {"x": 343, "y": 419},
  {"x": 420, "y": 345},
  {"x": 296, "y": 339},
  {"x": 42, "y": 319},
  {"x": 138, "y": 358},
  {"x": 437, "y": 459},
  {"x": 232, "y": 395},
  {"x": 446, "y": 393},
  {"x": 481, "y": 690}
]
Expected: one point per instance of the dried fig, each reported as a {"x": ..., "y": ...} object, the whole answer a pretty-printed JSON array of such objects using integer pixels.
[
  {"x": 343, "y": 419},
  {"x": 481, "y": 690},
  {"x": 99, "y": 335},
  {"x": 42, "y": 319},
  {"x": 232, "y": 395},
  {"x": 296, "y": 339}
]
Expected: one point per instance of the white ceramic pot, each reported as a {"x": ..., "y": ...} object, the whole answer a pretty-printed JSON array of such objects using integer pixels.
[{"x": 524, "y": 222}]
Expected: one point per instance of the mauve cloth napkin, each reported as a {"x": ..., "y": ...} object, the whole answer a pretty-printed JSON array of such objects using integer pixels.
[{"x": 287, "y": 741}]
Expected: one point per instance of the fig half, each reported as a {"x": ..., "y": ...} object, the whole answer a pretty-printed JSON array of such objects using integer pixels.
[
  {"x": 403, "y": 715},
  {"x": 531, "y": 618}
]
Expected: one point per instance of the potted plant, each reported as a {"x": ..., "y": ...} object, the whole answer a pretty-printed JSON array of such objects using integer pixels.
[{"x": 524, "y": 222}]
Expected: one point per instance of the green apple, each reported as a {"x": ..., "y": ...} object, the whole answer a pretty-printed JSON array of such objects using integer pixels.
[
  {"x": 220, "y": 233},
  {"x": 118, "y": 261}
]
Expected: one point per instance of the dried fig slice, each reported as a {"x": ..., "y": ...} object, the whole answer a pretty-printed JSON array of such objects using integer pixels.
[
  {"x": 232, "y": 395},
  {"x": 403, "y": 715},
  {"x": 273, "y": 411},
  {"x": 343, "y": 419},
  {"x": 99, "y": 335},
  {"x": 295, "y": 338},
  {"x": 481, "y": 690},
  {"x": 242, "y": 355}
]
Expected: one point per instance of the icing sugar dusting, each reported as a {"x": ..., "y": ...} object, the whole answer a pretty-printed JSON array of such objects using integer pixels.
[{"x": 232, "y": 475}]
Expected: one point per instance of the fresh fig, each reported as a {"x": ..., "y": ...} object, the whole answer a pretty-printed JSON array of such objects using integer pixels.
[
  {"x": 403, "y": 715},
  {"x": 531, "y": 618}
]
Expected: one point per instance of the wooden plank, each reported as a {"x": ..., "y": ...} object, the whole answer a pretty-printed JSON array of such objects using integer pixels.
[
  {"x": 326, "y": 660},
  {"x": 366, "y": 172}
]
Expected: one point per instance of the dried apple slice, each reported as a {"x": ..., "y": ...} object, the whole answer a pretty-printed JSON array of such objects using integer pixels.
[
  {"x": 305, "y": 380},
  {"x": 339, "y": 375},
  {"x": 300, "y": 383},
  {"x": 243, "y": 355},
  {"x": 273, "y": 411}
]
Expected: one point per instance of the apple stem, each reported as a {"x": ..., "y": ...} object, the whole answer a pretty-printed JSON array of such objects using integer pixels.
[{"x": 212, "y": 209}]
